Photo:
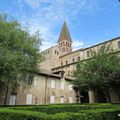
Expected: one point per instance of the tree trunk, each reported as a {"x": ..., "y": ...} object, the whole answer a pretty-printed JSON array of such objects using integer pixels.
[
  {"x": 114, "y": 96},
  {"x": 6, "y": 93},
  {"x": 107, "y": 96},
  {"x": 91, "y": 94}
]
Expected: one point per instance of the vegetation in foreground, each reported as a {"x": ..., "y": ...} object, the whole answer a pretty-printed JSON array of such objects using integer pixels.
[{"x": 62, "y": 112}]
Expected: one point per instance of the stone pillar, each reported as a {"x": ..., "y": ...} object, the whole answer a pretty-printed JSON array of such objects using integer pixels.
[{"x": 91, "y": 95}]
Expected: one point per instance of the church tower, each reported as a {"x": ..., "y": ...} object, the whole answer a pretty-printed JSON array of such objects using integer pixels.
[{"x": 65, "y": 41}]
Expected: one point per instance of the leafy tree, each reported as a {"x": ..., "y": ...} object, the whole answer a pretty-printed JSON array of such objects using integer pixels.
[
  {"x": 19, "y": 54},
  {"x": 101, "y": 71}
]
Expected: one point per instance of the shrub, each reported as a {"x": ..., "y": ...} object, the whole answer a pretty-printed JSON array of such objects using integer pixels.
[
  {"x": 52, "y": 109},
  {"x": 83, "y": 113},
  {"x": 7, "y": 114}
]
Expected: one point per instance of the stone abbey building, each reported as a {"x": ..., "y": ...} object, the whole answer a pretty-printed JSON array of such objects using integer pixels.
[{"x": 54, "y": 84}]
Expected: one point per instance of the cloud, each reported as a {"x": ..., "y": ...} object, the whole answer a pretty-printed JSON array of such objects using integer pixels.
[
  {"x": 46, "y": 15},
  {"x": 77, "y": 44}
]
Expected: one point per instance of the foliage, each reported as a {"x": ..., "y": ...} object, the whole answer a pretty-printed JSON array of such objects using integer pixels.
[
  {"x": 7, "y": 114},
  {"x": 19, "y": 52},
  {"x": 52, "y": 109},
  {"x": 85, "y": 114},
  {"x": 100, "y": 71}
]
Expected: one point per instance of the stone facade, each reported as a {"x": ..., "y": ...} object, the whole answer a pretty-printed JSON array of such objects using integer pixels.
[
  {"x": 51, "y": 86},
  {"x": 44, "y": 87}
]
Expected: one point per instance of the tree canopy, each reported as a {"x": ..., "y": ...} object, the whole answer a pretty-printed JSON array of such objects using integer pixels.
[
  {"x": 19, "y": 52},
  {"x": 101, "y": 70}
]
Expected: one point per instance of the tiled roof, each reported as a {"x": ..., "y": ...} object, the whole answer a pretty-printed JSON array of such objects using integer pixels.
[{"x": 64, "y": 35}]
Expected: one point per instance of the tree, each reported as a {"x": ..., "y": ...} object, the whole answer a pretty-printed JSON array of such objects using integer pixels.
[
  {"x": 19, "y": 54},
  {"x": 101, "y": 71}
]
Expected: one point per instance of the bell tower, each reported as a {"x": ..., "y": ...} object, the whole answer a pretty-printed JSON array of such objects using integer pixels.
[{"x": 65, "y": 41}]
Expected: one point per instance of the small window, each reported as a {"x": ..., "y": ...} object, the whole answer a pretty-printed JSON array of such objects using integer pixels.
[
  {"x": 68, "y": 72},
  {"x": 30, "y": 79},
  {"x": 119, "y": 44},
  {"x": 62, "y": 85},
  {"x": 55, "y": 51},
  {"x": 29, "y": 99},
  {"x": 61, "y": 63},
  {"x": 73, "y": 60},
  {"x": 70, "y": 100},
  {"x": 88, "y": 53},
  {"x": 66, "y": 62},
  {"x": 62, "y": 99},
  {"x": 52, "y": 83},
  {"x": 70, "y": 87},
  {"x": 52, "y": 99},
  {"x": 35, "y": 82},
  {"x": 78, "y": 57}
]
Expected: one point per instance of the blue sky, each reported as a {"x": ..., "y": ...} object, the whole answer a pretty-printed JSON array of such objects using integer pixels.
[{"x": 89, "y": 21}]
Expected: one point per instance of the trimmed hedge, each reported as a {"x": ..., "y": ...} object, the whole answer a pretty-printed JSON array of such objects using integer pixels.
[
  {"x": 69, "y": 112},
  {"x": 52, "y": 109},
  {"x": 100, "y": 114},
  {"x": 7, "y": 114}
]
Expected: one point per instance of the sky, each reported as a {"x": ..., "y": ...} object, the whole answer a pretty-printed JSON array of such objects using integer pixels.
[{"x": 89, "y": 21}]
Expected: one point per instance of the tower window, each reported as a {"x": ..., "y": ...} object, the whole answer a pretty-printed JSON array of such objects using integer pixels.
[
  {"x": 119, "y": 44},
  {"x": 73, "y": 60},
  {"x": 63, "y": 49},
  {"x": 66, "y": 43}
]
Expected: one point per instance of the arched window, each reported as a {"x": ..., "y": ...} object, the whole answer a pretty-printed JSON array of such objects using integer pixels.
[
  {"x": 73, "y": 60},
  {"x": 78, "y": 57}
]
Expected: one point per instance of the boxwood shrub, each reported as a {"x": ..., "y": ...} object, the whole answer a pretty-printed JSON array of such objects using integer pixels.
[
  {"x": 52, "y": 109},
  {"x": 99, "y": 113},
  {"x": 8, "y": 114}
]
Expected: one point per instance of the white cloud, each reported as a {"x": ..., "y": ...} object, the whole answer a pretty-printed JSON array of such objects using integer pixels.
[
  {"x": 48, "y": 14},
  {"x": 77, "y": 44}
]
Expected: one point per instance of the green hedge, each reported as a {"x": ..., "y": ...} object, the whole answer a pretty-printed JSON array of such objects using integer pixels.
[
  {"x": 99, "y": 114},
  {"x": 7, "y": 114},
  {"x": 52, "y": 109}
]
